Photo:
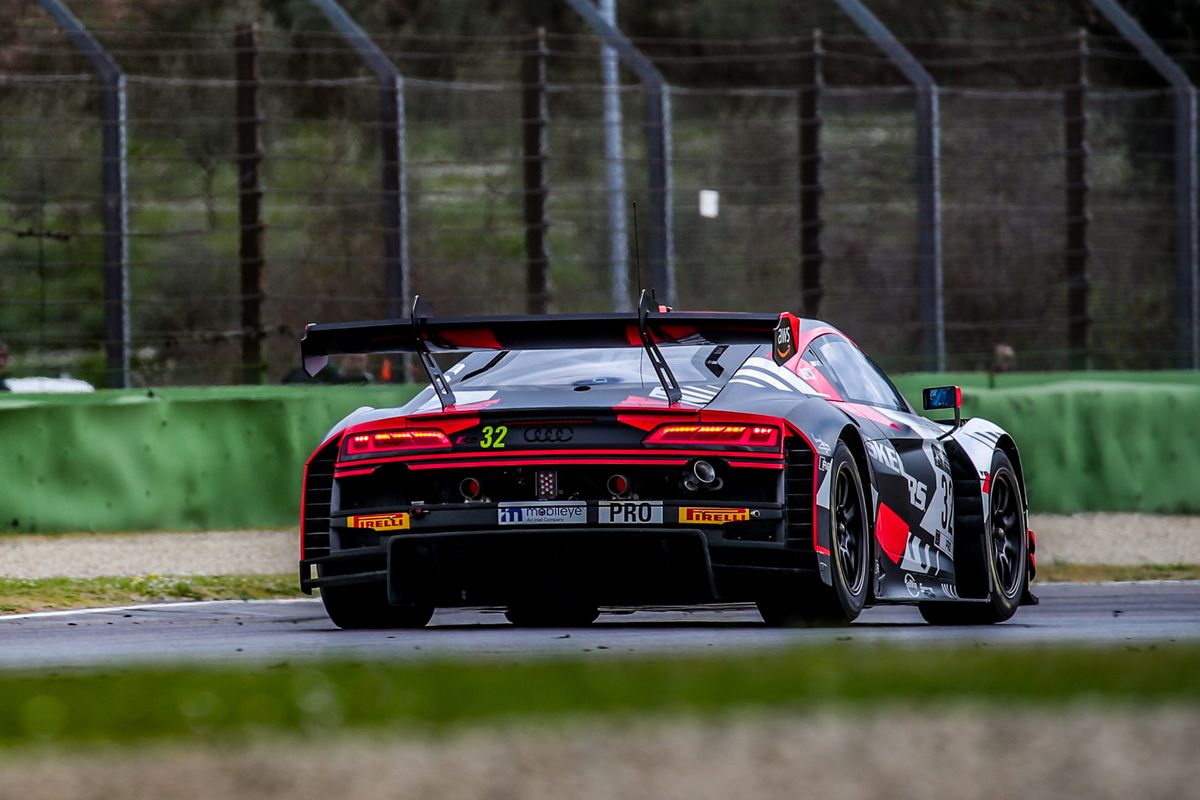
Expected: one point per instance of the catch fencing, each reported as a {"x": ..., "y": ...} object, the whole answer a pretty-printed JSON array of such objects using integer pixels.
[{"x": 1057, "y": 176}]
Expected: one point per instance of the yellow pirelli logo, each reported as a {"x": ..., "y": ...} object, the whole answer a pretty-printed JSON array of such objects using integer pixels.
[
  {"x": 712, "y": 516},
  {"x": 380, "y": 522}
]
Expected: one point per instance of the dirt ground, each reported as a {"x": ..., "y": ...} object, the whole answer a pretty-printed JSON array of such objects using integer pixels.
[
  {"x": 1077, "y": 538},
  {"x": 898, "y": 754}
]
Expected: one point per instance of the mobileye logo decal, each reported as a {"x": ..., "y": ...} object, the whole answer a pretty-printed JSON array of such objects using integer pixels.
[
  {"x": 631, "y": 512},
  {"x": 566, "y": 513},
  {"x": 380, "y": 522},
  {"x": 549, "y": 434},
  {"x": 713, "y": 516}
]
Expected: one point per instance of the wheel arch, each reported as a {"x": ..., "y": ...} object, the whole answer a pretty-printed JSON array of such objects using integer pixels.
[
  {"x": 853, "y": 439},
  {"x": 1009, "y": 448}
]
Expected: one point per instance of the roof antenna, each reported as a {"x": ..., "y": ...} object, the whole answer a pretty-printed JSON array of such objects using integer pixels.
[{"x": 637, "y": 251}]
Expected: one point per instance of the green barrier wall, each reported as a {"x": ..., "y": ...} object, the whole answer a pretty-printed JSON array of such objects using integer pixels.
[
  {"x": 1122, "y": 441},
  {"x": 190, "y": 459},
  {"x": 231, "y": 458}
]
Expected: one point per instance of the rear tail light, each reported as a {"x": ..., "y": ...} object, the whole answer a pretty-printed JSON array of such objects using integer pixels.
[
  {"x": 378, "y": 443},
  {"x": 738, "y": 437}
]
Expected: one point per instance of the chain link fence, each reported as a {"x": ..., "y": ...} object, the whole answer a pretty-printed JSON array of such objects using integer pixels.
[{"x": 736, "y": 122}]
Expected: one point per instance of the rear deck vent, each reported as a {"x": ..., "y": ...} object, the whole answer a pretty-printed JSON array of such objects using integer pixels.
[
  {"x": 318, "y": 494},
  {"x": 799, "y": 494}
]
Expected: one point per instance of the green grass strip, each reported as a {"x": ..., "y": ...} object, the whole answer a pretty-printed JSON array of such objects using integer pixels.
[
  {"x": 44, "y": 594},
  {"x": 231, "y": 702}
]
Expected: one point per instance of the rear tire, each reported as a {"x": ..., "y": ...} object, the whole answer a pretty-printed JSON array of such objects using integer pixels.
[
  {"x": 366, "y": 607},
  {"x": 814, "y": 603},
  {"x": 1006, "y": 550},
  {"x": 552, "y": 615}
]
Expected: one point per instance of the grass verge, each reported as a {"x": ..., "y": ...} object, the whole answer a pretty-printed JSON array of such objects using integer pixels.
[
  {"x": 1093, "y": 573},
  {"x": 49, "y": 594},
  {"x": 45, "y": 594},
  {"x": 310, "y": 698}
]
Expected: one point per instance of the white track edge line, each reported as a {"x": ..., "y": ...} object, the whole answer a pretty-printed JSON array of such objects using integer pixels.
[{"x": 67, "y": 612}]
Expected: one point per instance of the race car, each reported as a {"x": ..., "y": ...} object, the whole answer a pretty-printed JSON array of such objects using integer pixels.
[{"x": 569, "y": 463}]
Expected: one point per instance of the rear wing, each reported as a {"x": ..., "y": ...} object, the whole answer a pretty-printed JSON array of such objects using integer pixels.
[{"x": 649, "y": 327}]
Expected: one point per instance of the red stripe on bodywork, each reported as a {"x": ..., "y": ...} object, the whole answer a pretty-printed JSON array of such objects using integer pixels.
[
  {"x": 522, "y": 455},
  {"x": 867, "y": 412},
  {"x": 751, "y": 465},
  {"x": 472, "y": 338},
  {"x": 350, "y": 473},
  {"x": 480, "y": 406},
  {"x": 667, "y": 462},
  {"x": 892, "y": 532}
]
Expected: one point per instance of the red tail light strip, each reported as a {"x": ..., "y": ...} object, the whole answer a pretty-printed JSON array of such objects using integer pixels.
[
  {"x": 716, "y": 436},
  {"x": 373, "y": 443}
]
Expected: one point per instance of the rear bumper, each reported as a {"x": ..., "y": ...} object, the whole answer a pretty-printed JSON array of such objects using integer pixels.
[{"x": 601, "y": 565}]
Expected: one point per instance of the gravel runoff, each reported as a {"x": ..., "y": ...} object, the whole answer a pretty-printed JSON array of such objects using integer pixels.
[
  {"x": 1096, "y": 753},
  {"x": 1077, "y": 538}
]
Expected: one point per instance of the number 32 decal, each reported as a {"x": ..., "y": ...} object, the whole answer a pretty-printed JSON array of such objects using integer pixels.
[{"x": 493, "y": 437}]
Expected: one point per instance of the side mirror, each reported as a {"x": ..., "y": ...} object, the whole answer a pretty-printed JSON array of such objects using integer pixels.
[{"x": 940, "y": 397}]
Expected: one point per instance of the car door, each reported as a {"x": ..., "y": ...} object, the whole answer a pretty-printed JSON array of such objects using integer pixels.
[{"x": 914, "y": 504}]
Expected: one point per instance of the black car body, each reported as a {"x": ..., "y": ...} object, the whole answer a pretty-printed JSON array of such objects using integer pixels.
[{"x": 574, "y": 462}]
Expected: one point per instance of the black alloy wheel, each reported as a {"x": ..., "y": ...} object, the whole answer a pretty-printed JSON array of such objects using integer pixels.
[{"x": 1005, "y": 556}]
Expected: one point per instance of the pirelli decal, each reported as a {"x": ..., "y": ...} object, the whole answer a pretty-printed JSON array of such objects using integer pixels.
[
  {"x": 380, "y": 522},
  {"x": 712, "y": 516}
]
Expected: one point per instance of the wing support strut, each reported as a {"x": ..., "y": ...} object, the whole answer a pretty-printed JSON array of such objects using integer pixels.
[
  {"x": 437, "y": 379},
  {"x": 665, "y": 376}
]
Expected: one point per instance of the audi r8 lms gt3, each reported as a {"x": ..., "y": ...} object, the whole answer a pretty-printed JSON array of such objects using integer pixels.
[{"x": 572, "y": 462}]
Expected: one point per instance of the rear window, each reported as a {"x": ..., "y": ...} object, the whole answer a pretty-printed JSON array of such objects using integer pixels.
[{"x": 624, "y": 365}]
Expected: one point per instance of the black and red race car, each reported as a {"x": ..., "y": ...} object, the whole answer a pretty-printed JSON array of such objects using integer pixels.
[{"x": 573, "y": 462}]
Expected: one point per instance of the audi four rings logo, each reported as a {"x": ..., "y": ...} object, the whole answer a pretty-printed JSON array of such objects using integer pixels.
[{"x": 548, "y": 434}]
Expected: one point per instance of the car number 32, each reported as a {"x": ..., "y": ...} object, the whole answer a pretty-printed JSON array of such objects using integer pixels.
[{"x": 493, "y": 437}]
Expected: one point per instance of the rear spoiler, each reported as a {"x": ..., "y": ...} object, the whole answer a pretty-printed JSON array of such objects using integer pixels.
[{"x": 649, "y": 327}]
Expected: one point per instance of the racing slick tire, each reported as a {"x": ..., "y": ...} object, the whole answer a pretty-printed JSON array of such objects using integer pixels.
[
  {"x": 850, "y": 542},
  {"x": 551, "y": 615},
  {"x": 1006, "y": 553},
  {"x": 365, "y": 606}
]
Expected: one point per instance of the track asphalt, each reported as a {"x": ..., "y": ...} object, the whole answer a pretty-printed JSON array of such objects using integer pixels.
[{"x": 271, "y": 631}]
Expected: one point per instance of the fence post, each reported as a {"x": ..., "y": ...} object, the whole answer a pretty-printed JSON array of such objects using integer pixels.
[
  {"x": 250, "y": 239},
  {"x": 1079, "y": 318},
  {"x": 811, "y": 256},
  {"x": 534, "y": 119},
  {"x": 1187, "y": 272},
  {"x": 113, "y": 171},
  {"x": 929, "y": 181},
  {"x": 658, "y": 148}
]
